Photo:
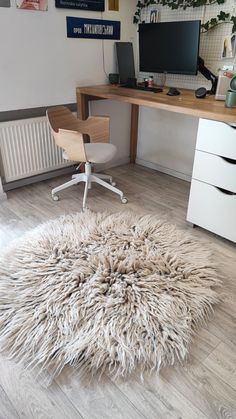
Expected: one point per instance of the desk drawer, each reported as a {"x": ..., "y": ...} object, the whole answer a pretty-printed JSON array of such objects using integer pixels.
[
  {"x": 212, "y": 209},
  {"x": 215, "y": 170},
  {"x": 217, "y": 138}
]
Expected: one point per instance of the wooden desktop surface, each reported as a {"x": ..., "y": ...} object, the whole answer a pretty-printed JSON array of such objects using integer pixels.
[{"x": 186, "y": 103}]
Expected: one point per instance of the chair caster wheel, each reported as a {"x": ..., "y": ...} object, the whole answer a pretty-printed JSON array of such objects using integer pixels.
[
  {"x": 55, "y": 197},
  {"x": 124, "y": 200},
  {"x": 113, "y": 183}
]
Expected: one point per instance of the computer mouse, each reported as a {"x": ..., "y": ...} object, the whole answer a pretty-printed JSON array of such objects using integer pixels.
[
  {"x": 201, "y": 93},
  {"x": 173, "y": 91}
]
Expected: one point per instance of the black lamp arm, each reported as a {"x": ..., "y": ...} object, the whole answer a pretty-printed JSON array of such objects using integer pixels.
[{"x": 208, "y": 74}]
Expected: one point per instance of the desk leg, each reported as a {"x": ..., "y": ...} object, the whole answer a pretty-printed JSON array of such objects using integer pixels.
[
  {"x": 83, "y": 113},
  {"x": 134, "y": 132},
  {"x": 82, "y": 106}
]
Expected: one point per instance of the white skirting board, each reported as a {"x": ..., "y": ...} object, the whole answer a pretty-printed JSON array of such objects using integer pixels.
[{"x": 166, "y": 170}]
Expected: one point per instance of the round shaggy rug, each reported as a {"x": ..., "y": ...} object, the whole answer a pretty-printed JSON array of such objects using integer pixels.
[{"x": 110, "y": 293}]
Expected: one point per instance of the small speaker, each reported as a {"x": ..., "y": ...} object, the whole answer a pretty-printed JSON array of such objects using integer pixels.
[
  {"x": 201, "y": 93},
  {"x": 114, "y": 78}
]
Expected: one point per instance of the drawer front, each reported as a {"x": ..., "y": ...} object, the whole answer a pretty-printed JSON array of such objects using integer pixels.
[
  {"x": 215, "y": 170},
  {"x": 216, "y": 138},
  {"x": 212, "y": 209}
]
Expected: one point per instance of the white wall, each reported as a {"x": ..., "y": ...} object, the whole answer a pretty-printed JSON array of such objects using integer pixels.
[
  {"x": 166, "y": 141},
  {"x": 40, "y": 66}
]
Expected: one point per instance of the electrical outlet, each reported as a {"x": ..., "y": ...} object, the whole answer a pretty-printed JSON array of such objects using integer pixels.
[{"x": 113, "y": 5}]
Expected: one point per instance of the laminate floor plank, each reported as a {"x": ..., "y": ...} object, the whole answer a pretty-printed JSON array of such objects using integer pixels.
[
  {"x": 157, "y": 398},
  {"x": 203, "y": 344},
  {"x": 30, "y": 399},
  {"x": 97, "y": 399},
  {"x": 222, "y": 361},
  {"x": 7, "y": 410},
  {"x": 203, "y": 387},
  {"x": 223, "y": 325}
]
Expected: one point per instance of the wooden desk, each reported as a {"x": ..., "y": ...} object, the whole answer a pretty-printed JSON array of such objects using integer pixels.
[{"x": 186, "y": 103}]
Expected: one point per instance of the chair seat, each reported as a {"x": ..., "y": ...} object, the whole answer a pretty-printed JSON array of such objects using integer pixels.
[{"x": 98, "y": 152}]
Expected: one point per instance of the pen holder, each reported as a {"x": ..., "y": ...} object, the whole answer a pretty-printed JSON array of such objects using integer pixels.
[{"x": 230, "y": 101}]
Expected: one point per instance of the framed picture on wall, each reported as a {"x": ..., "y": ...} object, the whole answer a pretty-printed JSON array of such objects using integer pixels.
[
  {"x": 78, "y": 27},
  {"x": 41, "y": 5},
  {"x": 96, "y": 5},
  {"x": 154, "y": 16}
]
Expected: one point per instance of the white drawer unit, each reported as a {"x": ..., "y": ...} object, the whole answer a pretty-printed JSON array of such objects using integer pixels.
[
  {"x": 212, "y": 209},
  {"x": 217, "y": 138},
  {"x": 212, "y": 200},
  {"x": 215, "y": 170}
]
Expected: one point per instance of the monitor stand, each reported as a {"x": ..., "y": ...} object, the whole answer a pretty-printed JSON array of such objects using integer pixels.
[{"x": 208, "y": 74}]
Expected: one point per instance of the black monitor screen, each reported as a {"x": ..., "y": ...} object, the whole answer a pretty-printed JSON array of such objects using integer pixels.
[{"x": 171, "y": 47}]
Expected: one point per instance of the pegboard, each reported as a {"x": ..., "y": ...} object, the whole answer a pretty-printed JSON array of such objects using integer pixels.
[{"x": 210, "y": 42}]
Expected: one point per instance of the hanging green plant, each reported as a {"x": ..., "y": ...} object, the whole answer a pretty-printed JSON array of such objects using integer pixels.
[{"x": 222, "y": 17}]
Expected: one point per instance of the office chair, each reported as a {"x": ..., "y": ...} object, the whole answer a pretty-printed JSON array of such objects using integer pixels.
[{"x": 68, "y": 133}]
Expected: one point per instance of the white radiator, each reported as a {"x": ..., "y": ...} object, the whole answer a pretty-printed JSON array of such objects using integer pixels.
[{"x": 27, "y": 148}]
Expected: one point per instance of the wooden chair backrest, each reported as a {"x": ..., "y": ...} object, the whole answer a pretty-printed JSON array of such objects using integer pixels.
[{"x": 68, "y": 131}]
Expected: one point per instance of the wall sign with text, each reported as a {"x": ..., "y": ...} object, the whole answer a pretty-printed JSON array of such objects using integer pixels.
[
  {"x": 92, "y": 28},
  {"x": 97, "y": 5}
]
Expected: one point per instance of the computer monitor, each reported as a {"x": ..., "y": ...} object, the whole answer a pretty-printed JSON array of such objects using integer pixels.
[
  {"x": 125, "y": 60},
  {"x": 171, "y": 47}
]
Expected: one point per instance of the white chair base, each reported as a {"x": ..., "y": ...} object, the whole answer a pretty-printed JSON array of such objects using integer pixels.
[{"x": 87, "y": 177}]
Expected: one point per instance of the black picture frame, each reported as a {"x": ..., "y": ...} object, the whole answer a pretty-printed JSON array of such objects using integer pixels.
[
  {"x": 93, "y": 5},
  {"x": 5, "y": 3}
]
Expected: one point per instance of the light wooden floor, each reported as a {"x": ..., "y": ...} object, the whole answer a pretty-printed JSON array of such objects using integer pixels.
[{"x": 203, "y": 388}]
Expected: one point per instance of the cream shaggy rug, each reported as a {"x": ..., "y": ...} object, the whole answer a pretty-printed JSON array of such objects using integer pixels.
[{"x": 109, "y": 293}]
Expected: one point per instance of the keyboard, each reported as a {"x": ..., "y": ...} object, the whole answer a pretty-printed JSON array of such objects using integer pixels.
[{"x": 146, "y": 89}]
